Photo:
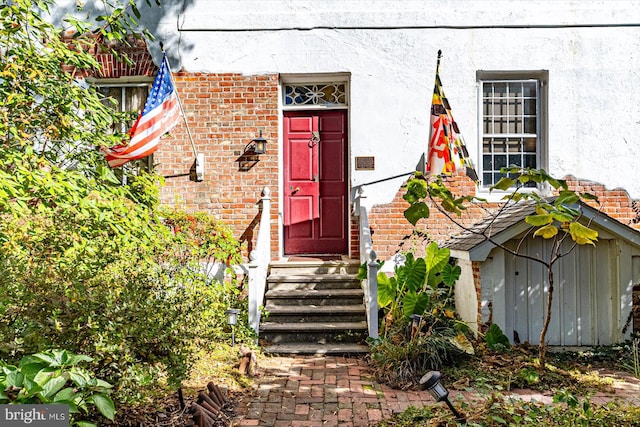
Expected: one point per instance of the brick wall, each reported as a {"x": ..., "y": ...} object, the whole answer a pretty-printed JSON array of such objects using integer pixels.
[
  {"x": 392, "y": 233},
  {"x": 225, "y": 111}
]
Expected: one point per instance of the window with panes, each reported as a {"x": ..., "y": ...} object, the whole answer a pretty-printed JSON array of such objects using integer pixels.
[
  {"x": 511, "y": 126},
  {"x": 127, "y": 98}
]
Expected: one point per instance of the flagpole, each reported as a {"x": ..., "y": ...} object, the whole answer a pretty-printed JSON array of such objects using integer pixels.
[{"x": 184, "y": 118}]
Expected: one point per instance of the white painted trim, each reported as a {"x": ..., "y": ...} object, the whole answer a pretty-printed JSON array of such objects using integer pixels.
[{"x": 286, "y": 78}]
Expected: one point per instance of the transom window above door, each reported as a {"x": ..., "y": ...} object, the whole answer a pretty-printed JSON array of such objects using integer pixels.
[{"x": 330, "y": 94}]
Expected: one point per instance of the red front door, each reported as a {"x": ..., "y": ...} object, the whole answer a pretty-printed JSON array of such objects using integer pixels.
[{"x": 315, "y": 182}]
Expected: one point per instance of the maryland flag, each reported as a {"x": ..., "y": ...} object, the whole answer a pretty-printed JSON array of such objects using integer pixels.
[{"x": 447, "y": 151}]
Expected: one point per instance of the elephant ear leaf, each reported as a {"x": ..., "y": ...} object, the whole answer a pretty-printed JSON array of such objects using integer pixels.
[
  {"x": 436, "y": 258},
  {"x": 386, "y": 289},
  {"x": 414, "y": 303},
  {"x": 415, "y": 273},
  {"x": 451, "y": 274}
]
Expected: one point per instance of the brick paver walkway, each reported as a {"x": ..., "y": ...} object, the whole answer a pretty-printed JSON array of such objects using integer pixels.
[{"x": 308, "y": 391}]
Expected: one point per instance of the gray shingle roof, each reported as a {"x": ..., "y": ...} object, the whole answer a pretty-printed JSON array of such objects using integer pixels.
[
  {"x": 509, "y": 222},
  {"x": 492, "y": 225}
]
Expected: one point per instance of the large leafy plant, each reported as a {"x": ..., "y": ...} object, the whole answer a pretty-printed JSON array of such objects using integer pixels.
[
  {"x": 418, "y": 285},
  {"x": 421, "y": 330},
  {"x": 56, "y": 376}
]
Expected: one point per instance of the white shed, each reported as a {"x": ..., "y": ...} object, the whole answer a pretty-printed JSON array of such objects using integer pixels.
[{"x": 593, "y": 285}]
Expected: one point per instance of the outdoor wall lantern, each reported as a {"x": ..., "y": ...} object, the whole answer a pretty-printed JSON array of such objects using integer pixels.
[
  {"x": 232, "y": 319},
  {"x": 431, "y": 382},
  {"x": 257, "y": 146}
]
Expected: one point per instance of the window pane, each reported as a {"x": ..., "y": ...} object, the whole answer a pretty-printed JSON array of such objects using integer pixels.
[
  {"x": 515, "y": 89},
  {"x": 530, "y": 125},
  {"x": 501, "y": 125},
  {"x": 315, "y": 94},
  {"x": 530, "y": 89},
  {"x": 499, "y": 146},
  {"x": 515, "y": 160},
  {"x": 530, "y": 161},
  {"x": 135, "y": 98},
  {"x": 486, "y": 162},
  {"x": 488, "y": 125},
  {"x": 509, "y": 126},
  {"x": 486, "y": 145},
  {"x": 529, "y": 107},
  {"x": 113, "y": 97},
  {"x": 497, "y": 176},
  {"x": 529, "y": 145},
  {"x": 515, "y": 126},
  {"x": 513, "y": 146},
  {"x": 500, "y": 90}
]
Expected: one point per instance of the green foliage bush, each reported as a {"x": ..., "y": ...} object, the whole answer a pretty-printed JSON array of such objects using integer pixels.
[
  {"x": 496, "y": 339},
  {"x": 421, "y": 329},
  {"x": 56, "y": 377},
  {"x": 87, "y": 264},
  {"x": 86, "y": 268}
]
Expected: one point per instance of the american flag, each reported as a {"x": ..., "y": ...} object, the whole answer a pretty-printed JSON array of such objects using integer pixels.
[{"x": 160, "y": 114}]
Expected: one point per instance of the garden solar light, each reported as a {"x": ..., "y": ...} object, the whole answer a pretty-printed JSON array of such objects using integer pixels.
[
  {"x": 232, "y": 320},
  {"x": 416, "y": 319},
  {"x": 431, "y": 382}
]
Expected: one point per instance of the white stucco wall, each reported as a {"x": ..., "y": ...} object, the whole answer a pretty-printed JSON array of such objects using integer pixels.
[
  {"x": 589, "y": 48},
  {"x": 465, "y": 295}
]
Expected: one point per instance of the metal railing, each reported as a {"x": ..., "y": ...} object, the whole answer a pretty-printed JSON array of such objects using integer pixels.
[
  {"x": 259, "y": 262},
  {"x": 368, "y": 256}
]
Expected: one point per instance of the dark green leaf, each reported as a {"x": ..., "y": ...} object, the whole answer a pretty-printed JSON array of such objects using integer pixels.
[
  {"x": 105, "y": 405},
  {"x": 504, "y": 184},
  {"x": 416, "y": 212}
]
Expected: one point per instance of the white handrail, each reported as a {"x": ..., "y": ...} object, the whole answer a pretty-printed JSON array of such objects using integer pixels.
[
  {"x": 259, "y": 262},
  {"x": 368, "y": 256}
]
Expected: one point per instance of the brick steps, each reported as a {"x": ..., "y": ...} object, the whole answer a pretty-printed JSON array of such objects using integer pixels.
[{"x": 314, "y": 308}]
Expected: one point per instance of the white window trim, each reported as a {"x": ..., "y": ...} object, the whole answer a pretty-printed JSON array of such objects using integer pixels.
[{"x": 542, "y": 152}]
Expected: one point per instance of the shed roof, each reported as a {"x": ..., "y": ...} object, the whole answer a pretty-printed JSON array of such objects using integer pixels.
[{"x": 473, "y": 243}]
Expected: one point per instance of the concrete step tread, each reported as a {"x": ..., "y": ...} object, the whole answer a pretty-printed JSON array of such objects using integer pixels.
[
  {"x": 311, "y": 278},
  {"x": 313, "y": 293},
  {"x": 314, "y": 309},
  {"x": 312, "y": 327},
  {"x": 314, "y": 263},
  {"x": 316, "y": 349}
]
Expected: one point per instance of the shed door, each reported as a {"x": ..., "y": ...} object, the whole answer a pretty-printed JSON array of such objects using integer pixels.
[
  {"x": 584, "y": 308},
  {"x": 315, "y": 183}
]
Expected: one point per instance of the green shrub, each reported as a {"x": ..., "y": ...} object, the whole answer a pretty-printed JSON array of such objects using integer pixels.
[
  {"x": 496, "y": 339},
  {"x": 86, "y": 268},
  {"x": 55, "y": 377}
]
